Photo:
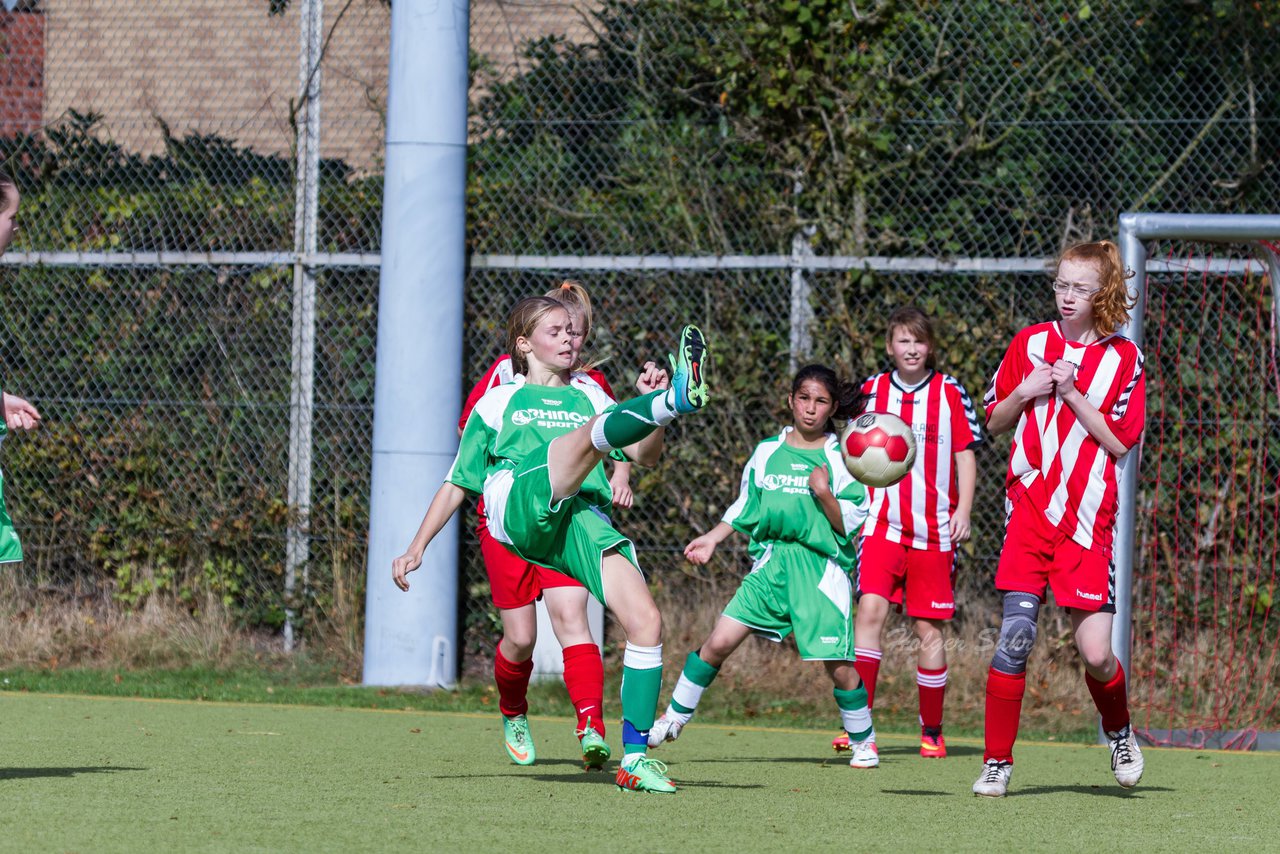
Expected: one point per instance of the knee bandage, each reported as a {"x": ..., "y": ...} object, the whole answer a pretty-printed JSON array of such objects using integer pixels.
[{"x": 1017, "y": 633}]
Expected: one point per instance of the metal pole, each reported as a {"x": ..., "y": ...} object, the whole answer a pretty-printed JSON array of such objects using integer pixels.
[
  {"x": 412, "y": 638},
  {"x": 1133, "y": 255},
  {"x": 303, "y": 337}
]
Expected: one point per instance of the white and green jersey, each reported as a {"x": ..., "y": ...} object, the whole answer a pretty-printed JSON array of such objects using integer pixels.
[
  {"x": 775, "y": 504},
  {"x": 514, "y": 418}
]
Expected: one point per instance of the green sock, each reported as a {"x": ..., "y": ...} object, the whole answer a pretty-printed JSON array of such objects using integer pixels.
[
  {"x": 630, "y": 422},
  {"x": 854, "y": 713},
  {"x": 641, "y": 684},
  {"x": 696, "y": 677}
]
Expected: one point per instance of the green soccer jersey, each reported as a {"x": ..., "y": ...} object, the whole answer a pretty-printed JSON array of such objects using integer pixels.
[
  {"x": 10, "y": 545},
  {"x": 775, "y": 504},
  {"x": 513, "y": 419}
]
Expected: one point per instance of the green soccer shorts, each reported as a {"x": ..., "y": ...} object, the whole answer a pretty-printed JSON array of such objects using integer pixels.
[
  {"x": 569, "y": 535},
  {"x": 792, "y": 589}
]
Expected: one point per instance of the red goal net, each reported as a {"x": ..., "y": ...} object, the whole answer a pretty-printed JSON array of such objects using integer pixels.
[{"x": 1205, "y": 668}]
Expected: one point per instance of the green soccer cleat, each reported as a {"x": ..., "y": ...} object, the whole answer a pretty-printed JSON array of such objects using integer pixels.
[
  {"x": 688, "y": 371},
  {"x": 517, "y": 740},
  {"x": 644, "y": 775},
  {"x": 595, "y": 750}
]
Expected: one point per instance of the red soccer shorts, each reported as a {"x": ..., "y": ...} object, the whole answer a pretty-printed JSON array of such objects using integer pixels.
[
  {"x": 513, "y": 581},
  {"x": 896, "y": 571},
  {"x": 1037, "y": 555}
]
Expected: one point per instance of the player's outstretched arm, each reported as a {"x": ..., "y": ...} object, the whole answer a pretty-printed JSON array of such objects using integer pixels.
[
  {"x": 701, "y": 549},
  {"x": 447, "y": 501},
  {"x": 648, "y": 450},
  {"x": 19, "y": 414}
]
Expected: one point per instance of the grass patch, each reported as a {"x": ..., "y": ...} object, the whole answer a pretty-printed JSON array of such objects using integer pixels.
[
  {"x": 310, "y": 683},
  {"x": 113, "y": 774}
]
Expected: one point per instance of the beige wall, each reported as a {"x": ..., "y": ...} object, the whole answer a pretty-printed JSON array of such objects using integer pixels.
[{"x": 227, "y": 67}]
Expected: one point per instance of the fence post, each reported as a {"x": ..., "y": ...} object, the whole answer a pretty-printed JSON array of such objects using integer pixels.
[
  {"x": 800, "y": 340},
  {"x": 303, "y": 337}
]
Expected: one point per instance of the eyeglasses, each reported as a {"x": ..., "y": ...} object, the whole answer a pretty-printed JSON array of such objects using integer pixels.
[{"x": 1061, "y": 287}]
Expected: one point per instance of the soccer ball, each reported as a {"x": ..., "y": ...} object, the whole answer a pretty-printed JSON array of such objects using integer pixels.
[{"x": 878, "y": 448}]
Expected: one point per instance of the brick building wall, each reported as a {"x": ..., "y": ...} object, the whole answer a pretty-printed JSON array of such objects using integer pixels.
[
  {"x": 21, "y": 71},
  {"x": 216, "y": 66},
  {"x": 227, "y": 67}
]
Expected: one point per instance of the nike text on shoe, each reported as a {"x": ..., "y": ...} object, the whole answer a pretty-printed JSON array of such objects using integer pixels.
[
  {"x": 644, "y": 775},
  {"x": 595, "y": 750},
  {"x": 1126, "y": 757},
  {"x": 994, "y": 780},
  {"x": 664, "y": 729},
  {"x": 865, "y": 754},
  {"x": 517, "y": 740},
  {"x": 688, "y": 371}
]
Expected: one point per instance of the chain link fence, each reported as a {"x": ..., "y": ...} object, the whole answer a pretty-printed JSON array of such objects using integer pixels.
[{"x": 687, "y": 160}]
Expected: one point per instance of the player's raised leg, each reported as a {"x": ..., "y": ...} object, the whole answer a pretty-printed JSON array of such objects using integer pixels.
[{"x": 573, "y": 456}]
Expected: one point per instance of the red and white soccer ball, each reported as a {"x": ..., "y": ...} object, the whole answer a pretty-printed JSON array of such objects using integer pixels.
[{"x": 879, "y": 449}]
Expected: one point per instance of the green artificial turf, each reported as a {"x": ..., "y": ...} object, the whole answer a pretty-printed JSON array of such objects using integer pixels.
[
  {"x": 117, "y": 774},
  {"x": 315, "y": 684}
]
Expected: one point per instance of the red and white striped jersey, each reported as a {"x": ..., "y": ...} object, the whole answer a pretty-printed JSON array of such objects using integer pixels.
[
  {"x": 1049, "y": 442},
  {"x": 917, "y": 509}
]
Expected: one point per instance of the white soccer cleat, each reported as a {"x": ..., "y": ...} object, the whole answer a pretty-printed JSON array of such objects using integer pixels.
[
  {"x": 865, "y": 754},
  {"x": 664, "y": 729},
  {"x": 994, "y": 780},
  {"x": 1126, "y": 757}
]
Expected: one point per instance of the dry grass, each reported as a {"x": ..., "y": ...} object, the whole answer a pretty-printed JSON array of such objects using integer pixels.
[
  {"x": 768, "y": 679},
  {"x": 59, "y": 629}
]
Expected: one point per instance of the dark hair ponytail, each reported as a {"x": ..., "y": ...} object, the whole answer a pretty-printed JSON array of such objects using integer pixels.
[{"x": 848, "y": 397}]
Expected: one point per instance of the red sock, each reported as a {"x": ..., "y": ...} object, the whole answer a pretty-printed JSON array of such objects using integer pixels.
[
  {"x": 933, "y": 686},
  {"x": 1004, "y": 707},
  {"x": 584, "y": 678},
  {"x": 868, "y": 667},
  {"x": 513, "y": 683},
  {"x": 1111, "y": 698}
]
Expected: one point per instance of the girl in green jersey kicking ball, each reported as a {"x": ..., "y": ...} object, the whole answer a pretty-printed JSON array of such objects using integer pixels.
[
  {"x": 803, "y": 512},
  {"x": 533, "y": 448}
]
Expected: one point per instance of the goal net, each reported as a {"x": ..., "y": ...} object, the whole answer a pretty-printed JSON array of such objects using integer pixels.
[{"x": 1205, "y": 523}]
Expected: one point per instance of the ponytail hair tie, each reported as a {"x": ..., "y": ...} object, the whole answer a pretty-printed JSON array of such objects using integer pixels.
[{"x": 565, "y": 286}]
